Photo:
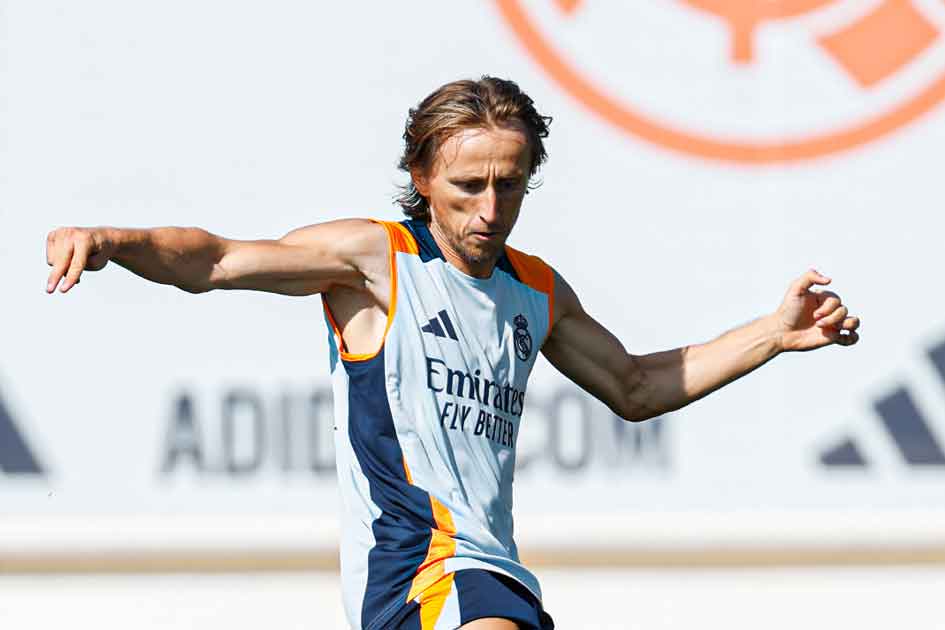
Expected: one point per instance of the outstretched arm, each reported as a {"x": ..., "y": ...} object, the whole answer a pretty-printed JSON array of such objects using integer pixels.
[
  {"x": 638, "y": 387},
  {"x": 305, "y": 261}
]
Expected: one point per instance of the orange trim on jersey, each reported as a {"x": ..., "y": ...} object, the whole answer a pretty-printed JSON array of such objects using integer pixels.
[
  {"x": 442, "y": 546},
  {"x": 534, "y": 272},
  {"x": 336, "y": 331},
  {"x": 399, "y": 239},
  {"x": 432, "y": 601}
]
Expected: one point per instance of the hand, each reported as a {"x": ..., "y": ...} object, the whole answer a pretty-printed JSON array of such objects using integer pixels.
[
  {"x": 70, "y": 251},
  {"x": 808, "y": 319}
]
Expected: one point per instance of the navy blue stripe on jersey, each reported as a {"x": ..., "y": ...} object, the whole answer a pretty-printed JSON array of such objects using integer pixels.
[
  {"x": 429, "y": 250},
  {"x": 504, "y": 264},
  {"x": 333, "y": 356},
  {"x": 403, "y": 530},
  {"x": 408, "y": 618},
  {"x": 481, "y": 594},
  {"x": 488, "y": 594}
]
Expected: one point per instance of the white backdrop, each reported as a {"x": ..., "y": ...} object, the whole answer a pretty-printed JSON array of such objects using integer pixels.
[{"x": 250, "y": 119}]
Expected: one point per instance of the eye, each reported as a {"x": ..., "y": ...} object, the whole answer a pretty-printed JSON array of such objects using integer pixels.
[
  {"x": 470, "y": 186},
  {"x": 509, "y": 185}
]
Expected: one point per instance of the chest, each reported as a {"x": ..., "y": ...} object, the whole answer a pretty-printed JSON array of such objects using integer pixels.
[{"x": 482, "y": 328}]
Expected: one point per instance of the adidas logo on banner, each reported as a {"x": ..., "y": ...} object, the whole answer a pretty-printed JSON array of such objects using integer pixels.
[
  {"x": 904, "y": 423},
  {"x": 445, "y": 330},
  {"x": 16, "y": 457}
]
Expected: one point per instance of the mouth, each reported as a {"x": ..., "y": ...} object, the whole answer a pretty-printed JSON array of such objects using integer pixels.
[{"x": 487, "y": 236}]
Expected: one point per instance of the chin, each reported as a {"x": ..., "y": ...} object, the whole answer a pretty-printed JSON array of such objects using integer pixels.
[{"x": 480, "y": 255}]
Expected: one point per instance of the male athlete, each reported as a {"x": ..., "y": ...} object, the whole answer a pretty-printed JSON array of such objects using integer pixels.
[{"x": 435, "y": 325}]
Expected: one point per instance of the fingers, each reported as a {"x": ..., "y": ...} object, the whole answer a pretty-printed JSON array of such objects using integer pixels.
[
  {"x": 835, "y": 318},
  {"x": 850, "y": 323},
  {"x": 60, "y": 261},
  {"x": 50, "y": 244},
  {"x": 809, "y": 279},
  {"x": 829, "y": 302},
  {"x": 68, "y": 251},
  {"x": 80, "y": 254},
  {"x": 845, "y": 334},
  {"x": 848, "y": 339}
]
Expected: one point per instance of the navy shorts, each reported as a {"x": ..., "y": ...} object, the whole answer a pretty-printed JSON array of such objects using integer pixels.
[{"x": 471, "y": 594}]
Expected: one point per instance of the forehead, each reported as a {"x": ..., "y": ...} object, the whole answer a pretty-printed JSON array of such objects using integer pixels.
[{"x": 478, "y": 149}]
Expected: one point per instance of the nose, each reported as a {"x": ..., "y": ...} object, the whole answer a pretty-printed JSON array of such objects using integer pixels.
[{"x": 489, "y": 206}]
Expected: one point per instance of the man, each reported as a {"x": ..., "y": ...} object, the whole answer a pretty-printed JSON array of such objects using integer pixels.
[{"x": 435, "y": 326}]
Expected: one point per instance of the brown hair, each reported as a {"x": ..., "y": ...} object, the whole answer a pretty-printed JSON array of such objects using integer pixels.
[{"x": 461, "y": 105}]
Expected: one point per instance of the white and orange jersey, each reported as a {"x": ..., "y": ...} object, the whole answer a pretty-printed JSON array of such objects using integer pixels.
[{"x": 426, "y": 427}]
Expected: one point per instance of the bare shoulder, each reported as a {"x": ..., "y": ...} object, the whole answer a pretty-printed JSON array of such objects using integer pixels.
[
  {"x": 359, "y": 245},
  {"x": 347, "y": 238},
  {"x": 566, "y": 300}
]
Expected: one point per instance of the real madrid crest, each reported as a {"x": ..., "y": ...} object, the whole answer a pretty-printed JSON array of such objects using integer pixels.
[{"x": 523, "y": 340}]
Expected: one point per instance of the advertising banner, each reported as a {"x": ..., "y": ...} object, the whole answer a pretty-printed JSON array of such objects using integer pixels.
[{"x": 703, "y": 155}]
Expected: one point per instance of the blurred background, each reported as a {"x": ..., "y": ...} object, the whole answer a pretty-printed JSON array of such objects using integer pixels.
[{"x": 166, "y": 458}]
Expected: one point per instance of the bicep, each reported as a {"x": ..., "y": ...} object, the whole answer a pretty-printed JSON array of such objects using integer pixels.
[
  {"x": 305, "y": 261},
  {"x": 589, "y": 354}
]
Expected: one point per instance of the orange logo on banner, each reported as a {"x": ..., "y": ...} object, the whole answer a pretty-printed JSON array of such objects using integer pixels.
[{"x": 871, "y": 49}]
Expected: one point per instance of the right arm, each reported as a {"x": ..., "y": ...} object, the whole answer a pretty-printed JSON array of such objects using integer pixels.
[{"x": 305, "y": 261}]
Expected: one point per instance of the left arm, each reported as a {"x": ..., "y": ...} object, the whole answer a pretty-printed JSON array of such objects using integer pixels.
[{"x": 639, "y": 387}]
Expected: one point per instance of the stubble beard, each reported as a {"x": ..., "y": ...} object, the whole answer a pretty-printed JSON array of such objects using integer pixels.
[
  {"x": 471, "y": 255},
  {"x": 475, "y": 256}
]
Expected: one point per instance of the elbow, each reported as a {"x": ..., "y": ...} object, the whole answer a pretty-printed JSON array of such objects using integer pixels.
[
  {"x": 200, "y": 283},
  {"x": 194, "y": 289},
  {"x": 638, "y": 415},
  {"x": 632, "y": 409},
  {"x": 644, "y": 396},
  {"x": 205, "y": 281},
  {"x": 635, "y": 411}
]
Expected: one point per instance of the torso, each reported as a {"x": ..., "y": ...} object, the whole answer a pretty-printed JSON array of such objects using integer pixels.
[{"x": 427, "y": 418}]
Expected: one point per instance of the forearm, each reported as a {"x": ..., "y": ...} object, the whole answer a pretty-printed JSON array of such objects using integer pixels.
[
  {"x": 675, "y": 378},
  {"x": 638, "y": 387},
  {"x": 182, "y": 257}
]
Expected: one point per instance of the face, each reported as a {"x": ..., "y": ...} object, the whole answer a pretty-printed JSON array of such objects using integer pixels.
[{"x": 475, "y": 189}]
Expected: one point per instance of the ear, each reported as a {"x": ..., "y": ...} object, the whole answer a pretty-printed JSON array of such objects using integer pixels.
[{"x": 420, "y": 182}]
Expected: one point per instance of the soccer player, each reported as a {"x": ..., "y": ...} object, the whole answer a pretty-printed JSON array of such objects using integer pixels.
[{"x": 435, "y": 326}]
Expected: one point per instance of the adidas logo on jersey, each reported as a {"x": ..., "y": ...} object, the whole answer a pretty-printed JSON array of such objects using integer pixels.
[{"x": 445, "y": 330}]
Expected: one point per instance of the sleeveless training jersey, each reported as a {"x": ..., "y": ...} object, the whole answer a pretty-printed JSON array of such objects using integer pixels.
[{"x": 426, "y": 428}]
